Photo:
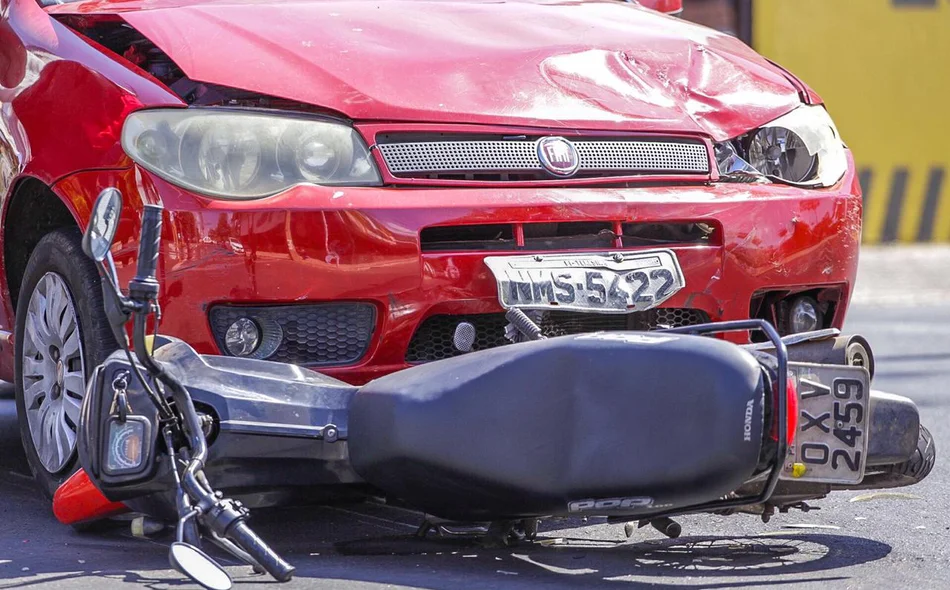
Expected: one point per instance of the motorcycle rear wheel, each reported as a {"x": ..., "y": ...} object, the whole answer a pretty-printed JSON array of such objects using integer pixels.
[{"x": 910, "y": 472}]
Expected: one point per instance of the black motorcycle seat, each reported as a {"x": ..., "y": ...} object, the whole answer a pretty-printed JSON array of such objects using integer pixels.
[{"x": 557, "y": 426}]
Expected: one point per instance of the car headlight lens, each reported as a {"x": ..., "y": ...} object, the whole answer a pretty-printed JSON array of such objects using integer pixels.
[
  {"x": 802, "y": 148},
  {"x": 232, "y": 154},
  {"x": 776, "y": 151}
]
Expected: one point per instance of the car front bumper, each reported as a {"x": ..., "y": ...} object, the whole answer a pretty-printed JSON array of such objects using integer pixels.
[{"x": 322, "y": 244}]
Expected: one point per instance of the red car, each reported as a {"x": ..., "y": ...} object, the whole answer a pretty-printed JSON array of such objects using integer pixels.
[{"x": 361, "y": 186}]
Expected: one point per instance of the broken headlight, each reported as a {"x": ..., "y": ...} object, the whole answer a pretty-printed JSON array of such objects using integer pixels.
[
  {"x": 234, "y": 154},
  {"x": 801, "y": 148}
]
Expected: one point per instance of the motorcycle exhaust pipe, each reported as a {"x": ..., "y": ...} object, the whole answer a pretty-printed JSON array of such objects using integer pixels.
[
  {"x": 851, "y": 350},
  {"x": 826, "y": 347}
]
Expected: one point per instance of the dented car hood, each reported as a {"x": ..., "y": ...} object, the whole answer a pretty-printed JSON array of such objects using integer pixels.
[{"x": 604, "y": 65}]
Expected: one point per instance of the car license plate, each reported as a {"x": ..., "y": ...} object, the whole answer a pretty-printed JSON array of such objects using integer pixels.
[
  {"x": 833, "y": 417},
  {"x": 619, "y": 282}
]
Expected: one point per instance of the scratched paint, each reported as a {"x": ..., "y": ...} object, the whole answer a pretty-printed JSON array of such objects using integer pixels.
[{"x": 552, "y": 64}]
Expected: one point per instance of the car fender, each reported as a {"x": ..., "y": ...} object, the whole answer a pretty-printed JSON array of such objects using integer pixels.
[
  {"x": 64, "y": 91},
  {"x": 63, "y": 100}
]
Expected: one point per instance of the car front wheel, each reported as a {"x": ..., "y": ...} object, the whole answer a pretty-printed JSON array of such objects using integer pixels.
[{"x": 61, "y": 335}]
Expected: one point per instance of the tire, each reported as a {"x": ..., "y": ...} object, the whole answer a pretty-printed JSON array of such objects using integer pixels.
[
  {"x": 911, "y": 471},
  {"x": 50, "y": 384},
  {"x": 921, "y": 462}
]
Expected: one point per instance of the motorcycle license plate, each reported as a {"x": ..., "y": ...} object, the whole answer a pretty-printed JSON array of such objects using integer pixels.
[
  {"x": 619, "y": 282},
  {"x": 833, "y": 418}
]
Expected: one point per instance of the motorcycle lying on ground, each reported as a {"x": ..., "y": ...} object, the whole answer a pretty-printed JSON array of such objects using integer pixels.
[{"x": 637, "y": 427}]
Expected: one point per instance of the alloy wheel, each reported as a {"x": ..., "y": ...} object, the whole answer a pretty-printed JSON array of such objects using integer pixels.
[{"x": 54, "y": 377}]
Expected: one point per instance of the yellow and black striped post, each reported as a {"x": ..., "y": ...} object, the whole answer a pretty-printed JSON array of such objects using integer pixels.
[{"x": 898, "y": 207}]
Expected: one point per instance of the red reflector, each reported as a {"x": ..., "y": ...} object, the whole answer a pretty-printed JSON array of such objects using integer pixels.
[
  {"x": 791, "y": 422},
  {"x": 79, "y": 500}
]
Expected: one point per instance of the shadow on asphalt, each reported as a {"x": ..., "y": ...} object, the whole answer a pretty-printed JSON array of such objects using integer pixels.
[
  {"x": 697, "y": 556},
  {"x": 368, "y": 543}
]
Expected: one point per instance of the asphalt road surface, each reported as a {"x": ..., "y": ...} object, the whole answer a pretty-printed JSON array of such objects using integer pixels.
[{"x": 856, "y": 540}]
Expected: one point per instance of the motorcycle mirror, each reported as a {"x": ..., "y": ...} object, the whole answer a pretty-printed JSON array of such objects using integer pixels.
[
  {"x": 201, "y": 569},
  {"x": 103, "y": 223}
]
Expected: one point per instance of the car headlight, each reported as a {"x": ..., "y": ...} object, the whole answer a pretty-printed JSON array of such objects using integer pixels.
[
  {"x": 801, "y": 148},
  {"x": 235, "y": 154}
]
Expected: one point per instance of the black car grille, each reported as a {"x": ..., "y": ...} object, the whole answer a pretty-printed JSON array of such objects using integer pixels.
[
  {"x": 315, "y": 335},
  {"x": 433, "y": 339},
  {"x": 567, "y": 235}
]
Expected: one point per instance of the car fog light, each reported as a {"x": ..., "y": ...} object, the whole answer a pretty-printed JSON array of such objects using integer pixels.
[
  {"x": 804, "y": 315},
  {"x": 464, "y": 337},
  {"x": 242, "y": 337}
]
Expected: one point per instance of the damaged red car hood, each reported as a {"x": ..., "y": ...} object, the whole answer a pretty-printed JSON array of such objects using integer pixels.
[{"x": 586, "y": 65}]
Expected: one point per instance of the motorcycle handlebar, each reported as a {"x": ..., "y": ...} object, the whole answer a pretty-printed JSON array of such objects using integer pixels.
[
  {"x": 241, "y": 535},
  {"x": 148, "y": 251},
  {"x": 143, "y": 289}
]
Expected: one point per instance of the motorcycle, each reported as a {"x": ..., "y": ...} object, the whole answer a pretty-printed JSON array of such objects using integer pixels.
[{"x": 637, "y": 427}]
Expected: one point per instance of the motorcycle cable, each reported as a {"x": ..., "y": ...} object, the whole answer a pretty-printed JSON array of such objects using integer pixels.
[
  {"x": 165, "y": 413},
  {"x": 224, "y": 517},
  {"x": 135, "y": 306}
]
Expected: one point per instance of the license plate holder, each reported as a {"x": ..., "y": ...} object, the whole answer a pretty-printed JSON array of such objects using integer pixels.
[
  {"x": 619, "y": 282},
  {"x": 833, "y": 418}
]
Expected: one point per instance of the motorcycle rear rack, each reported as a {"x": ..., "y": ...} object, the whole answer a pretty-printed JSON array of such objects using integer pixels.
[{"x": 781, "y": 354}]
